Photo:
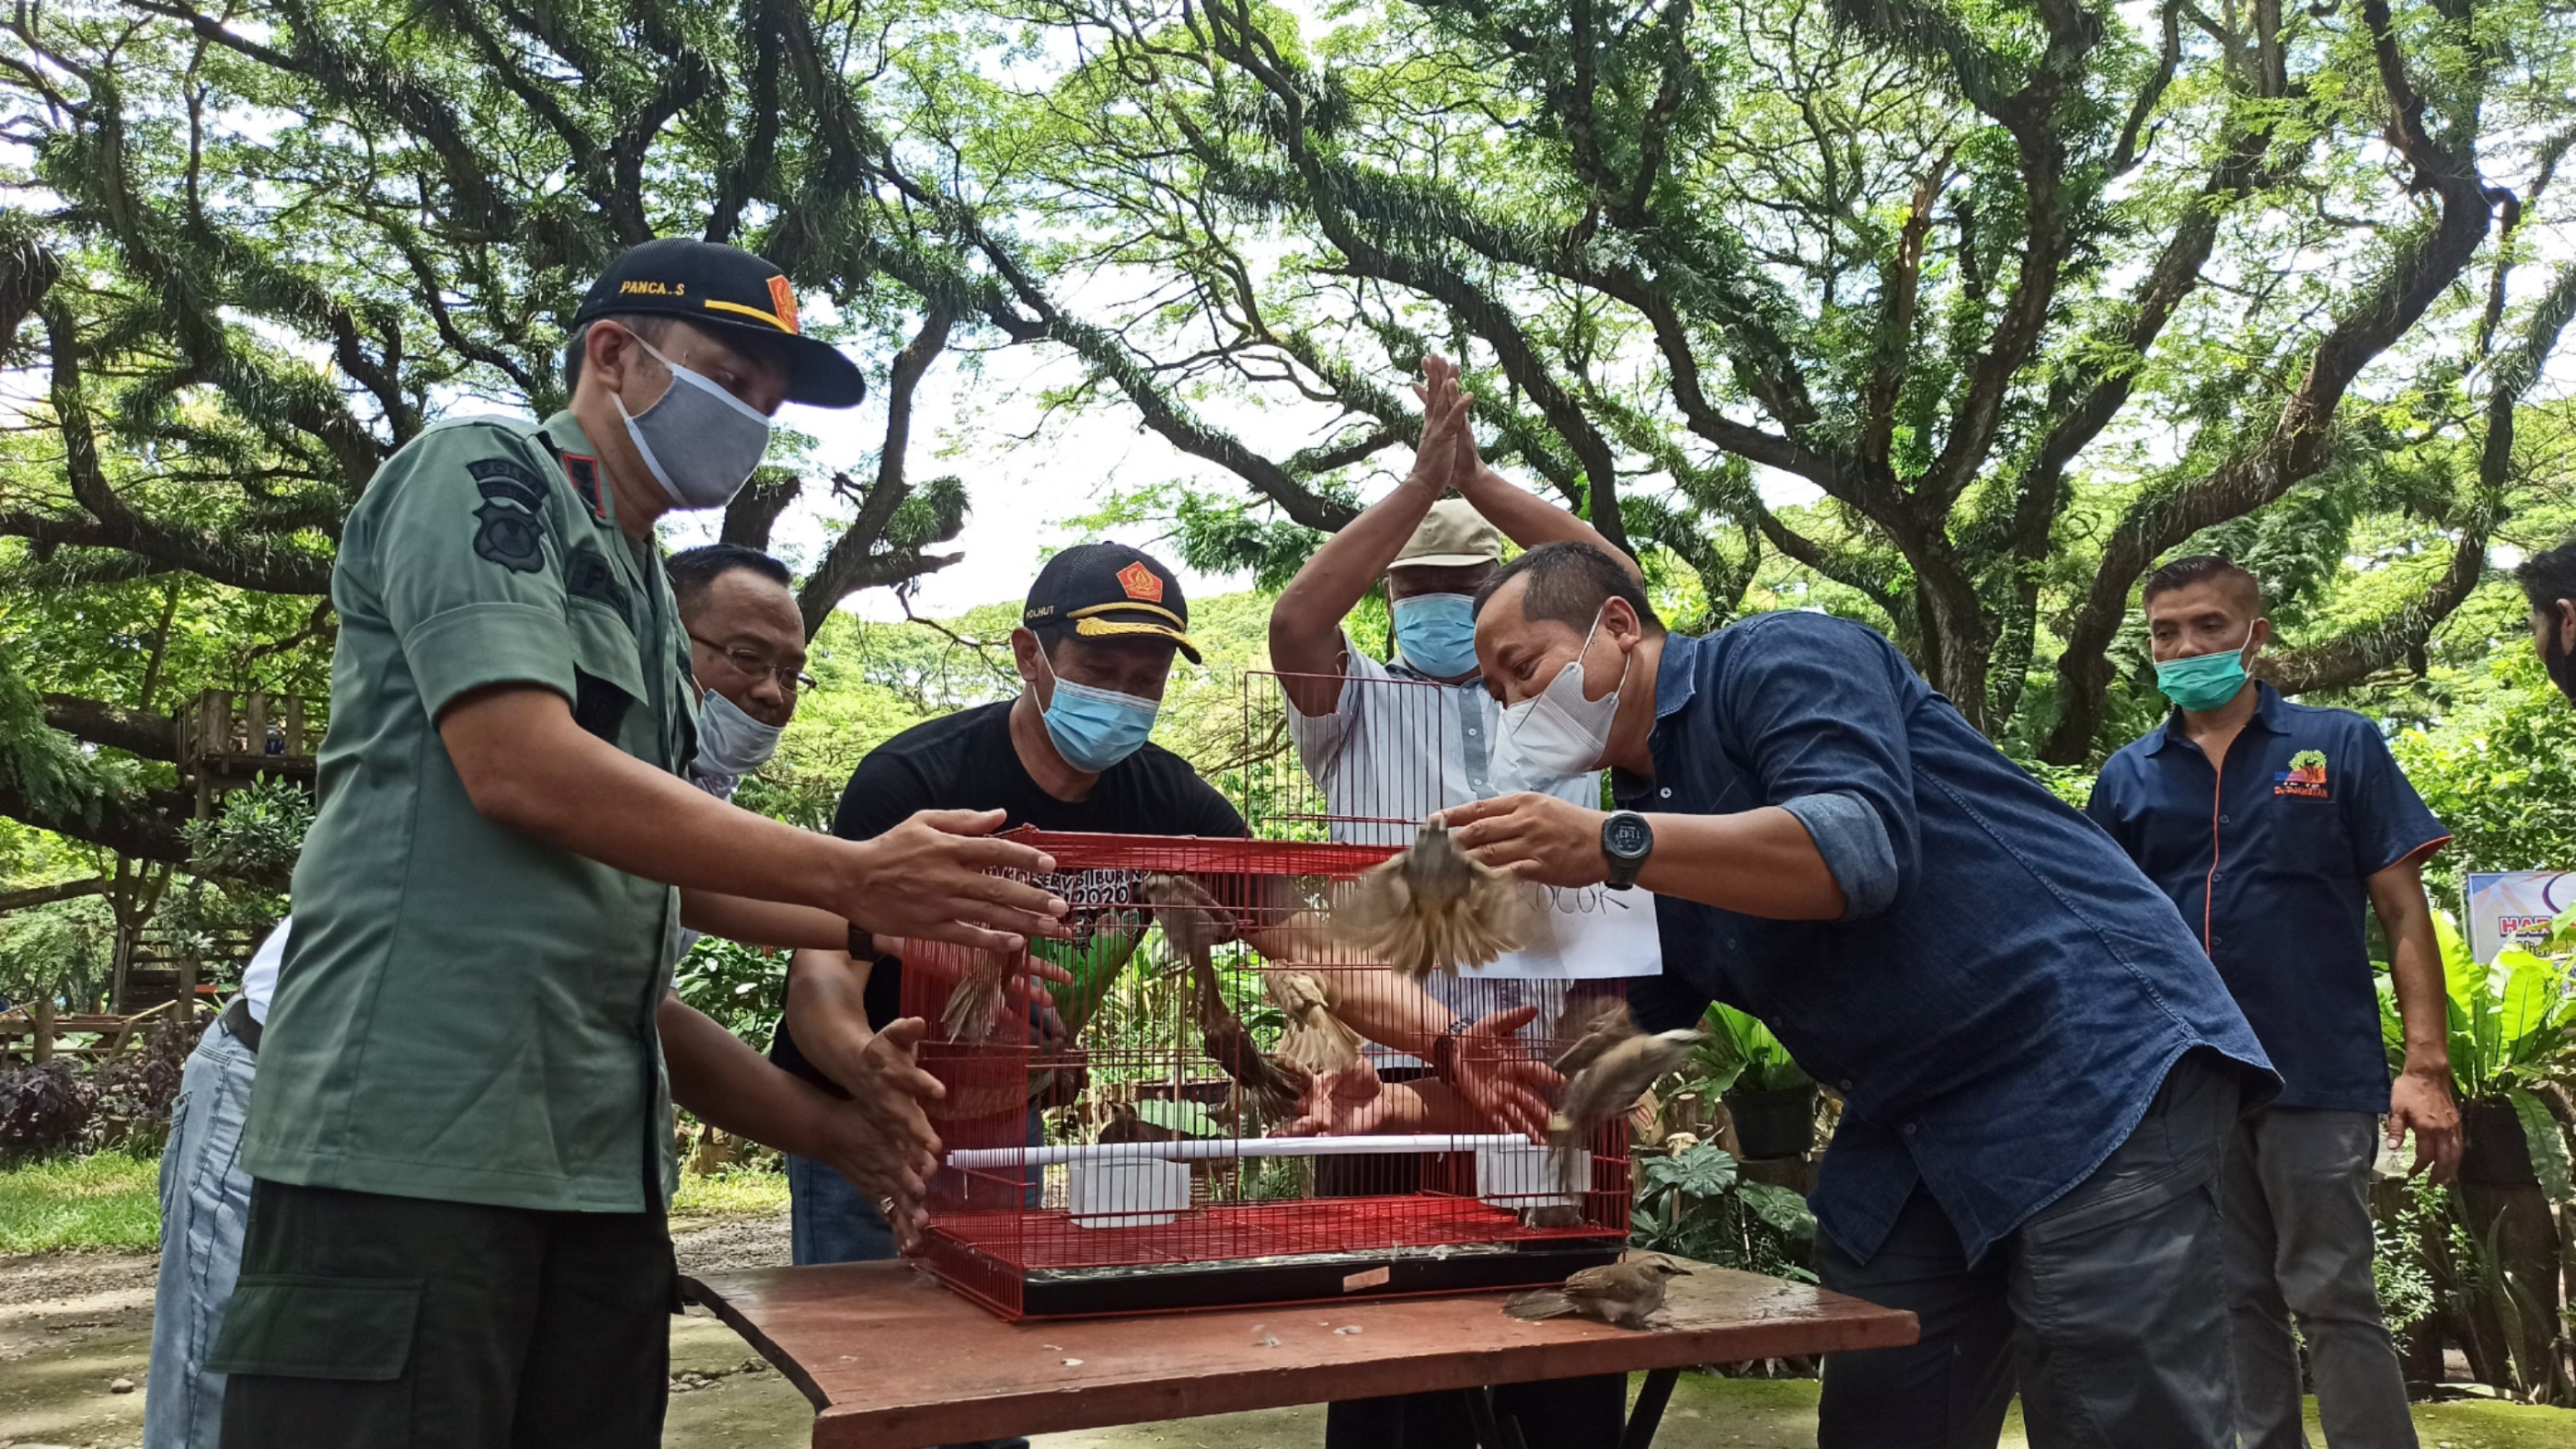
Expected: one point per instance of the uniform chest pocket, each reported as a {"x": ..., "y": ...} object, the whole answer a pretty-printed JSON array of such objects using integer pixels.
[
  {"x": 607, "y": 675},
  {"x": 2308, "y": 836}
]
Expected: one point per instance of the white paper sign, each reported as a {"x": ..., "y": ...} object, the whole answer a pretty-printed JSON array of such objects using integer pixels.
[{"x": 1590, "y": 934}]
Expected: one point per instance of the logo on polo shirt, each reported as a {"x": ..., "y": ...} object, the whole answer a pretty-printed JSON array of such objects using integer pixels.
[
  {"x": 2306, "y": 777},
  {"x": 1141, "y": 582}
]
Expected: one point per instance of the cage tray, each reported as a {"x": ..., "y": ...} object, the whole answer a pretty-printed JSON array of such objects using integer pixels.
[
  {"x": 1046, "y": 1266},
  {"x": 1309, "y": 1278}
]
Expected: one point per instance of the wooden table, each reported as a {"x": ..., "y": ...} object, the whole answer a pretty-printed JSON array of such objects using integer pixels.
[{"x": 891, "y": 1359}]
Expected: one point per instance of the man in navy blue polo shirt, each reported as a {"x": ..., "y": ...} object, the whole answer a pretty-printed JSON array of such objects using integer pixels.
[
  {"x": 2272, "y": 825},
  {"x": 2039, "y": 1068}
]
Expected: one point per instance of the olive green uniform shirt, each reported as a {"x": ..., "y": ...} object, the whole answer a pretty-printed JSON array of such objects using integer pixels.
[{"x": 465, "y": 1012}]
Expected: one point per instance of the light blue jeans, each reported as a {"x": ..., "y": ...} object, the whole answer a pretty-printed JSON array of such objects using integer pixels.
[{"x": 205, "y": 1196}]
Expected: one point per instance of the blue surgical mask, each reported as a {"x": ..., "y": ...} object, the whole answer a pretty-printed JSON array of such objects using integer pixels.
[
  {"x": 1437, "y": 633},
  {"x": 1095, "y": 728},
  {"x": 2202, "y": 682}
]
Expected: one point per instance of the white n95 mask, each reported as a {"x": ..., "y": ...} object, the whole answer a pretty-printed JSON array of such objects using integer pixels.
[{"x": 1559, "y": 732}]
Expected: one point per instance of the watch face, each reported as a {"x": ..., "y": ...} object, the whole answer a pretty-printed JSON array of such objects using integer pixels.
[{"x": 1626, "y": 836}]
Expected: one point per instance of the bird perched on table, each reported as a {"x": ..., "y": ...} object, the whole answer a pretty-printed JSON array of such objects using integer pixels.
[
  {"x": 1607, "y": 1086},
  {"x": 1623, "y": 1295},
  {"x": 1195, "y": 925},
  {"x": 1314, "y": 1039},
  {"x": 1433, "y": 908}
]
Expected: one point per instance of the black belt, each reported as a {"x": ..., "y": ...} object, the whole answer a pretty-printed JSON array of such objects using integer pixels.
[{"x": 243, "y": 1025}]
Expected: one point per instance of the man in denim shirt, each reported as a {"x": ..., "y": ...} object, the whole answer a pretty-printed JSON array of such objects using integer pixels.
[{"x": 2039, "y": 1066}]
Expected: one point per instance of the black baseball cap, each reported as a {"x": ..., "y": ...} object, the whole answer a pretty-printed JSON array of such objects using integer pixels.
[
  {"x": 727, "y": 288},
  {"x": 1107, "y": 590}
]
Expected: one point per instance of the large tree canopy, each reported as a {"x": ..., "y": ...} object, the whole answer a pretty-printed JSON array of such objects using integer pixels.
[{"x": 1953, "y": 317}]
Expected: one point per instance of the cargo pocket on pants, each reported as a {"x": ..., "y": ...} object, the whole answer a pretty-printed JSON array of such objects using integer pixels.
[{"x": 290, "y": 1326}]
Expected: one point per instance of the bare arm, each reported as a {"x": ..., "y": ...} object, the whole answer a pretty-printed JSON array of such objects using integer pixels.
[
  {"x": 1760, "y": 862},
  {"x": 1306, "y": 623},
  {"x": 763, "y": 923},
  {"x": 2420, "y": 1099},
  {"x": 882, "y": 1143},
  {"x": 526, "y": 765},
  {"x": 1524, "y": 517}
]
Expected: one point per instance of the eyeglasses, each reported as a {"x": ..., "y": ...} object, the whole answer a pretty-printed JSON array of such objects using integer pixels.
[{"x": 752, "y": 664}]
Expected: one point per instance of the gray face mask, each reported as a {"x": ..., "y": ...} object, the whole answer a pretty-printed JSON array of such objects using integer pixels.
[{"x": 700, "y": 441}]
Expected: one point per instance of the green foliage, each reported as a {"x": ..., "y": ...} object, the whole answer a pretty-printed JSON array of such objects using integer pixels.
[
  {"x": 64, "y": 949},
  {"x": 1741, "y": 1054},
  {"x": 742, "y": 987},
  {"x": 1695, "y": 1204},
  {"x": 1189, "y": 1119},
  {"x": 257, "y": 835}
]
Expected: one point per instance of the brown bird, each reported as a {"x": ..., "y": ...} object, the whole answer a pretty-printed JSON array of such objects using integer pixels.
[
  {"x": 1125, "y": 1126},
  {"x": 1314, "y": 1038},
  {"x": 1590, "y": 1032},
  {"x": 1195, "y": 924},
  {"x": 1606, "y": 1088},
  {"x": 1432, "y": 908},
  {"x": 1623, "y": 1295},
  {"x": 975, "y": 1003}
]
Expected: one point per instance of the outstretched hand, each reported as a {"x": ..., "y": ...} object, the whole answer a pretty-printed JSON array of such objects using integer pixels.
[
  {"x": 881, "y": 1138},
  {"x": 940, "y": 876},
  {"x": 1500, "y": 1077}
]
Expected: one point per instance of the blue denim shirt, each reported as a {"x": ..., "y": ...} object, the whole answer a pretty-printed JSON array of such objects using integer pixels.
[{"x": 2005, "y": 992}]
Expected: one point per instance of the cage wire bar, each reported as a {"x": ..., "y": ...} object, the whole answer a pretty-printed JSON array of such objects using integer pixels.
[{"x": 1123, "y": 1146}]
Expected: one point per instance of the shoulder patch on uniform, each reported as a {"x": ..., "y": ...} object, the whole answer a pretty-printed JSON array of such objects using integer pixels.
[
  {"x": 584, "y": 473},
  {"x": 510, "y": 479},
  {"x": 587, "y": 575},
  {"x": 510, "y": 536}
]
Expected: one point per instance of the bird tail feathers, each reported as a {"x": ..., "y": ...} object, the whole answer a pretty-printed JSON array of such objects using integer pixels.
[{"x": 1538, "y": 1303}]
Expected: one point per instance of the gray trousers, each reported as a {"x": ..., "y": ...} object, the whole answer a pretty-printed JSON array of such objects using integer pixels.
[
  {"x": 2108, "y": 1306},
  {"x": 2298, "y": 1244},
  {"x": 205, "y": 1197}
]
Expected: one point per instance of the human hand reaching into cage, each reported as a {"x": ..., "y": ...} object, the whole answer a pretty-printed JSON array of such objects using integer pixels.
[
  {"x": 880, "y": 1138},
  {"x": 1497, "y": 1074}
]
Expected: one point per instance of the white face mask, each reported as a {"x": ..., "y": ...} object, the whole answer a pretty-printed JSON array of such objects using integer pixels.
[
  {"x": 1558, "y": 731},
  {"x": 731, "y": 744}
]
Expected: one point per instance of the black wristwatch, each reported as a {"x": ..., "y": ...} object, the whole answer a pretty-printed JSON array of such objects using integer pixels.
[
  {"x": 1627, "y": 839},
  {"x": 1444, "y": 1052}
]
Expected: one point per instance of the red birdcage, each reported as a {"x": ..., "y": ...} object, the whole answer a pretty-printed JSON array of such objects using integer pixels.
[{"x": 1125, "y": 1152}]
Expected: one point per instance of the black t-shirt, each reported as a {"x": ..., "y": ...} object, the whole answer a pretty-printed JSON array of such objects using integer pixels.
[{"x": 965, "y": 761}]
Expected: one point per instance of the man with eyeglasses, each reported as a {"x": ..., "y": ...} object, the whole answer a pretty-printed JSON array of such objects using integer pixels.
[{"x": 460, "y": 1137}]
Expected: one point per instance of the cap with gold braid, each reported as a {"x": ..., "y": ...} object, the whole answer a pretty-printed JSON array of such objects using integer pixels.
[
  {"x": 729, "y": 290},
  {"x": 1108, "y": 591}
]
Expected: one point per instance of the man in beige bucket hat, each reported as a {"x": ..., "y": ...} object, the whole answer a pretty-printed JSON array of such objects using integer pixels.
[{"x": 1390, "y": 743}]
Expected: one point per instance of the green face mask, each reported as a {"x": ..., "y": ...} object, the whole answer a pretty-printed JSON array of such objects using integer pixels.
[{"x": 2205, "y": 681}]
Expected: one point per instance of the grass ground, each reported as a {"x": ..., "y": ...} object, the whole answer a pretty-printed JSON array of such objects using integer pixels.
[{"x": 107, "y": 1201}]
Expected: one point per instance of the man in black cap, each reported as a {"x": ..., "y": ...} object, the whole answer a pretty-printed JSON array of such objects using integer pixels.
[
  {"x": 1068, "y": 753},
  {"x": 460, "y": 1137}
]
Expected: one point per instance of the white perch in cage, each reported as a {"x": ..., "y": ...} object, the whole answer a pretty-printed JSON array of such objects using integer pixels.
[{"x": 1205, "y": 1149}]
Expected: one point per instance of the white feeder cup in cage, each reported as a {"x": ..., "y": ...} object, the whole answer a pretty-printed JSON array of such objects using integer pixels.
[
  {"x": 1127, "y": 1193},
  {"x": 1521, "y": 1176}
]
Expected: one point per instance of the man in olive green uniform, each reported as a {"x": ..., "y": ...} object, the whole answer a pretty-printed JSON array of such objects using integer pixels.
[{"x": 461, "y": 1130}]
